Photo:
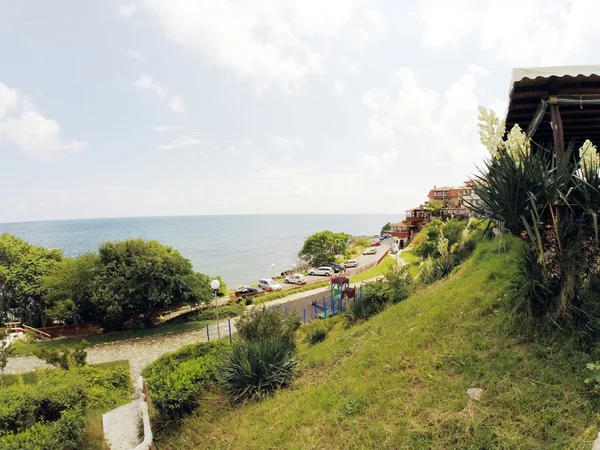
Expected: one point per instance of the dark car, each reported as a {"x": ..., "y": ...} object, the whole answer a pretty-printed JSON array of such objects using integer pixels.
[
  {"x": 335, "y": 266},
  {"x": 248, "y": 292}
]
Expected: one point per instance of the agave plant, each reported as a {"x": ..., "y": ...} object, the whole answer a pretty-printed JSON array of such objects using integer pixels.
[
  {"x": 256, "y": 369},
  {"x": 546, "y": 199}
]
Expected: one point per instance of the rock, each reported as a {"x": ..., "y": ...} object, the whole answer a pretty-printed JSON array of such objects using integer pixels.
[{"x": 474, "y": 393}]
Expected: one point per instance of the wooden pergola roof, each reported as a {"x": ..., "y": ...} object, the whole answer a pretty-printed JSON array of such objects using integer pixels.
[{"x": 572, "y": 92}]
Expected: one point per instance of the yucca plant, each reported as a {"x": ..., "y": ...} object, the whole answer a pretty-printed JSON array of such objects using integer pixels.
[
  {"x": 316, "y": 334},
  {"x": 256, "y": 369}
]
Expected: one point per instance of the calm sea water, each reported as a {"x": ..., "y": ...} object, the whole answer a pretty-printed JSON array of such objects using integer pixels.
[{"x": 241, "y": 249}]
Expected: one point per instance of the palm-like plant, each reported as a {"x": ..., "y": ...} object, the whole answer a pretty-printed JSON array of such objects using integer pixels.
[
  {"x": 256, "y": 369},
  {"x": 546, "y": 200}
]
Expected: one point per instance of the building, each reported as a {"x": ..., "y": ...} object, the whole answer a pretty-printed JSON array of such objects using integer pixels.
[
  {"x": 446, "y": 194},
  {"x": 401, "y": 234},
  {"x": 467, "y": 196}
]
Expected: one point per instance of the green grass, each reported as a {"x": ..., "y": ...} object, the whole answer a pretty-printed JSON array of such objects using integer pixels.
[
  {"x": 374, "y": 271},
  {"x": 399, "y": 381},
  {"x": 281, "y": 294},
  {"x": 21, "y": 348},
  {"x": 412, "y": 260}
]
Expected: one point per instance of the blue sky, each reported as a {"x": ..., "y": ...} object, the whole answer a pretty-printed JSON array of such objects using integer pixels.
[{"x": 177, "y": 107}]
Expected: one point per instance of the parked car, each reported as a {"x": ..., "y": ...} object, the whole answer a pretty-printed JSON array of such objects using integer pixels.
[
  {"x": 248, "y": 292},
  {"x": 370, "y": 251},
  {"x": 335, "y": 266},
  {"x": 351, "y": 263},
  {"x": 268, "y": 284},
  {"x": 323, "y": 271},
  {"x": 297, "y": 278},
  {"x": 376, "y": 244}
]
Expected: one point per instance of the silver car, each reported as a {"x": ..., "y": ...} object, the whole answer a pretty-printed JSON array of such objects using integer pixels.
[
  {"x": 351, "y": 263},
  {"x": 323, "y": 271}
]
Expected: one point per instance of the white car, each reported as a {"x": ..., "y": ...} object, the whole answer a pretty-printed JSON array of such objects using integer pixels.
[
  {"x": 370, "y": 251},
  {"x": 297, "y": 278},
  {"x": 351, "y": 263},
  {"x": 323, "y": 270},
  {"x": 269, "y": 284}
]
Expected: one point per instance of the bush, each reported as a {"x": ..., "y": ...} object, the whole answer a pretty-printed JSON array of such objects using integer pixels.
[
  {"x": 256, "y": 369},
  {"x": 262, "y": 324},
  {"x": 21, "y": 406},
  {"x": 316, "y": 334},
  {"x": 66, "y": 433},
  {"x": 248, "y": 301},
  {"x": 178, "y": 380},
  {"x": 225, "y": 312},
  {"x": 65, "y": 357}
]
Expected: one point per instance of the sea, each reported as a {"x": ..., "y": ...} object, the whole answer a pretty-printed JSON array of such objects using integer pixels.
[{"x": 240, "y": 248}]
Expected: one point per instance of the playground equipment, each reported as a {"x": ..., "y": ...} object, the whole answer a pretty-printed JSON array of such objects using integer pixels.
[{"x": 339, "y": 292}]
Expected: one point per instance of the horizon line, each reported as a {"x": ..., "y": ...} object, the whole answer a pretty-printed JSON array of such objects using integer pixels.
[{"x": 198, "y": 215}]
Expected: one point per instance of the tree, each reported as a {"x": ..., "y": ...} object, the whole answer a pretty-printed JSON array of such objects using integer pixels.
[
  {"x": 453, "y": 229},
  {"x": 69, "y": 289},
  {"x": 386, "y": 228},
  {"x": 135, "y": 277},
  {"x": 323, "y": 247},
  {"x": 435, "y": 206},
  {"x": 22, "y": 269}
]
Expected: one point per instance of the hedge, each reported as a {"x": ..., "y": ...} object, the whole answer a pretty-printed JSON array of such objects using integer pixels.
[
  {"x": 176, "y": 381},
  {"x": 50, "y": 413}
]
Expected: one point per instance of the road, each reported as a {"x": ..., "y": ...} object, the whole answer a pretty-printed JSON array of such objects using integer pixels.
[{"x": 363, "y": 260}]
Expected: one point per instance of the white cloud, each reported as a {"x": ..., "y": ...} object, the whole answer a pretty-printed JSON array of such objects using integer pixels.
[
  {"x": 247, "y": 142},
  {"x": 446, "y": 127},
  {"x": 126, "y": 10},
  {"x": 182, "y": 141},
  {"x": 145, "y": 83},
  {"x": 176, "y": 104},
  {"x": 380, "y": 162},
  {"x": 280, "y": 141},
  {"x": 166, "y": 128},
  {"x": 33, "y": 133},
  {"x": 454, "y": 138},
  {"x": 301, "y": 190},
  {"x": 411, "y": 110},
  {"x": 134, "y": 54},
  {"x": 377, "y": 22},
  {"x": 8, "y": 99},
  {"x": 534, "y": 32},
  {"x": 339, "y": 88},
  {"x": 265, "y": 40}
]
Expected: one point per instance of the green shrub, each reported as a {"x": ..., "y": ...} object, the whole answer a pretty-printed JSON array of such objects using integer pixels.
[
  {"x": 178, "y": 380},
  {"x": 50, "y": 413},
  {"x": 66, "y": 433},
  {"x": 281, "y": 294},
  {"x": 316, "y": 334},
  {"x": 248, "y": 301},
  {"x": 256, "y": 369},
  {"x": 225, "y": 312},
  {"x": 21, "y": 406},
  {"x": 65, "y": 357},
  {"x": 376, "y": 296},
  {"x": 262, "y": 324}
]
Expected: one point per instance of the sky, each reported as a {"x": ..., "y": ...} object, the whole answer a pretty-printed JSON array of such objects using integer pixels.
[{"x": 188, "y": 107}]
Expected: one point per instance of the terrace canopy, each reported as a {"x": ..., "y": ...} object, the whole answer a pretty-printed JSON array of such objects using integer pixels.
[{"x": 556, "y": 106}]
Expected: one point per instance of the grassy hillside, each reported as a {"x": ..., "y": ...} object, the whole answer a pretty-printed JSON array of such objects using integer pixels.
[{"x": 400, "y": 380}]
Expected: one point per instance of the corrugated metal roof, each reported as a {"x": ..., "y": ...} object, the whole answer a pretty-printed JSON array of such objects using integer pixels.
[{"x": 580, "y": 121}]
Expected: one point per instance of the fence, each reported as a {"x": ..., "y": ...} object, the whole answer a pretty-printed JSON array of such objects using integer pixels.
[{"x": 308, "y": 309}]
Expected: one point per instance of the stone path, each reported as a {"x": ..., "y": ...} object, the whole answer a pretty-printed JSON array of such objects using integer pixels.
[{"x": 142, "y": 351}]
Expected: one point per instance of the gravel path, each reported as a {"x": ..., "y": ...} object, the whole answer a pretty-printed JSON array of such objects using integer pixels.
[{"x": 140, "y": 352}]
